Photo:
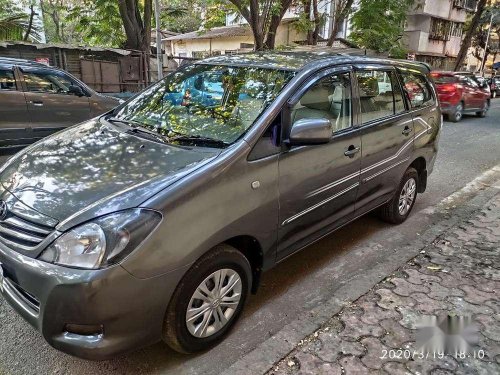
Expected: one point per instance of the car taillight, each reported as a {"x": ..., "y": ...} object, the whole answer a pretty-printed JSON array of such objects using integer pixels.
[{"x": 447, "y": 88}]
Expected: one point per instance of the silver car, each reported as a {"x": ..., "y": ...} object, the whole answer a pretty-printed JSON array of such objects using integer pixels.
[
  {"x": 37, "y": 100},
  {"x": 155, "y": 221}
]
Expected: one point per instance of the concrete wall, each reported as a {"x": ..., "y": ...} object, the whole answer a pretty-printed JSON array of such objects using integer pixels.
[
  {"x": 418, "y": 26},
  {"x": 187, "y": 47},
  {"x": 286, "y": 35}
]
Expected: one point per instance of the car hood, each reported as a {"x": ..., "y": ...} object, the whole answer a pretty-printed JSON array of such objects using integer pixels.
[{"x": 93, "y": 169}]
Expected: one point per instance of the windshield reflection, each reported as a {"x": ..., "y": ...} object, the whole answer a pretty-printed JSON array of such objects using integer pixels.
[{"x": 206, "y": 102}]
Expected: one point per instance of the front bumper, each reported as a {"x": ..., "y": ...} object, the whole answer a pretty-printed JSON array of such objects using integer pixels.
[
  {"x": 447, "y": 108},
  {"x": 128, "y": 311}
]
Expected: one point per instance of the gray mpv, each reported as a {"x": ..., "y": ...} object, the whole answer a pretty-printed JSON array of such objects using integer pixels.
[
  {"x": 156, "y": 220},
  {"x": 37, "y": 100}
]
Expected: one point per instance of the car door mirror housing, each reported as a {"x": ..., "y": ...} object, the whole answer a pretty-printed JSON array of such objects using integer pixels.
[
  {"x": 76, "y": 90},
  {"x": 310, "y": 131}
]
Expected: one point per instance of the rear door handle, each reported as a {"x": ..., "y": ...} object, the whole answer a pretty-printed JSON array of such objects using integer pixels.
[
  {"x": 406, "y": 130},
  {"x": 351, "y": 151},
  {"x": 36, "y": 103}
]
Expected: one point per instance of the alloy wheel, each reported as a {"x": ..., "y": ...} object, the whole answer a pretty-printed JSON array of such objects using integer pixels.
[
  {"x": 407, "y": 196},
  {"x": 213, "y": 303},
  {"x": 458, "y": 112}
]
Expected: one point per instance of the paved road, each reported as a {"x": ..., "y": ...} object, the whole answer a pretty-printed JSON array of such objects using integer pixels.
[
  {"x": 301, "y": 283},
  {"x": 455, "y": 273}
]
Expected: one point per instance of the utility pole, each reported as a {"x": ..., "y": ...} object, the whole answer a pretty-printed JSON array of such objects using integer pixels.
[
  {"x": 159, "y": 56},
  {"x": 483, "y": 62}
]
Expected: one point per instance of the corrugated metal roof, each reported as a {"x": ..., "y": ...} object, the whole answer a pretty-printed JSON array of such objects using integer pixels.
[{"x": 41, "y": 46}]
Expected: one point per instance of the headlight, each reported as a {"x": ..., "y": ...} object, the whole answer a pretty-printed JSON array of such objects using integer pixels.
[{"x": 103, "y": 241}]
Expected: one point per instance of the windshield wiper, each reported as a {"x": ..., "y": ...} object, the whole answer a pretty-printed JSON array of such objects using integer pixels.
[
  {"x": 198, "y": 139},
  {"x": 139, "y": 129}
]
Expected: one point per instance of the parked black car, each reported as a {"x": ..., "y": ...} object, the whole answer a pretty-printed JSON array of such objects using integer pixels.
[
  {"x": 156, "y": 220},
  {"x": 37, "y": 100}
]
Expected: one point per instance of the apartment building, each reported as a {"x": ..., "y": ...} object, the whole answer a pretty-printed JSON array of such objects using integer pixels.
[{"x": 434, "y": 28}]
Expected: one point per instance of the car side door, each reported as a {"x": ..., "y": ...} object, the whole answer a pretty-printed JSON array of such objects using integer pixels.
[
  {"x": 469, "y": 93},
  {"x": 386, "y": 129},
  {"x": 318, "y": 183},
  {"x": 52, "y": 103},
  {"x": 14, "y": 116}
]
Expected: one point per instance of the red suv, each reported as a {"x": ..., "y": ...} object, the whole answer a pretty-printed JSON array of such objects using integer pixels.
[{"x": 459, "y": 93}]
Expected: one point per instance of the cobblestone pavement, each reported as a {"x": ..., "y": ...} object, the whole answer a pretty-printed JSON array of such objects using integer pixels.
[{"x": 459, "y": 273}]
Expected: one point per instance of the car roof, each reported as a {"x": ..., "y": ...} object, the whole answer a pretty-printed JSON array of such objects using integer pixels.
[
  {"x": 299, "y": 60},
  {"x": 9, "y": 61}
]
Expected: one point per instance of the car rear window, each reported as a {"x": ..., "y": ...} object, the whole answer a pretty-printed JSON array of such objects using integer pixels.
[{"x": 444, "y": 79}]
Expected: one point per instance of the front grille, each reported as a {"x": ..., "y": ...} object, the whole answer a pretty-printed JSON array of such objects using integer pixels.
[{"x": 20, "y": 233}]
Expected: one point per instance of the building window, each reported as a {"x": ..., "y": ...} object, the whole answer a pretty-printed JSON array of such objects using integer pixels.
[
  {"x": 457, "y": 29},
  {"x": 246, "y": 45},
  {"x": 440, "y": 29},
  {"x": 469, "y": 5}
]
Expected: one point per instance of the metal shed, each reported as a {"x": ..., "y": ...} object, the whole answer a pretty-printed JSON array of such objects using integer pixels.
[{"x": 110, "y": 70}]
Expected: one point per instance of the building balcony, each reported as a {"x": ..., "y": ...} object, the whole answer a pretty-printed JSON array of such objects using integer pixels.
[{"x": 467, "y": 5}]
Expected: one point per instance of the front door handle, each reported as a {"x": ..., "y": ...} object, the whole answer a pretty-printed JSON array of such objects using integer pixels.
[
  {"x": 406, "y": 130},
  {"x": 351, "y": 151}
]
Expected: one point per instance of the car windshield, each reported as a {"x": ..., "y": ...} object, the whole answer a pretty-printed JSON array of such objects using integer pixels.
[
  {"x": 444, "y": 79},
  {"x": 206, "y": 102}
]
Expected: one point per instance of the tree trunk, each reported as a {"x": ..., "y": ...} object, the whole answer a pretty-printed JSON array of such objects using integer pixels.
[
  {"x": 271, "y": 34},
  {"x": 341, "y": 13},
  {"x": 315, "y": 33},
  {"x": 30, "y": 23},
  {"x": 307, "y": 13},
  {"x": 274, "y": 24},
  {"x": 466, "y": 42}
]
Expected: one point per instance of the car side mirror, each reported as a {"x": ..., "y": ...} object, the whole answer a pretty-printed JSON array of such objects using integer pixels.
[
  {"x": 310, "y": 131},
  {"x": 76, "y": 90}
]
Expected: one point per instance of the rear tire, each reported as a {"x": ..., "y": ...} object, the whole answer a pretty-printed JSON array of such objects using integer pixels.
[
  {"x": 195, "y": 322},
  {"x": 457, "y": 114},
  {"x": 399, "y": 207}
]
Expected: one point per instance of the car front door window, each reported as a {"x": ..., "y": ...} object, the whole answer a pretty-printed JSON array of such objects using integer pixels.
[
  {"x": 7, "y": 80},
  {"x": 47, "y": 82},
  {"x": 329, "y": 98}
]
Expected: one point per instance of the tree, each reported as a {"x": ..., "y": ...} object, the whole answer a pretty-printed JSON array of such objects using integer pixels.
[
  {"x": 61, "y": 25},
  {"x": 480, "y": 38},
  {"x": 264, "y": 17},
  {"x": 137, "y": 24},
  {"x": 16, "y": 24},
  {"x": 310, "y": 21},
  {"x": 97, "y": 22},
  {"x": 379, "y": 25},
  {"x": 342, "y": 9},
  {"x": 471, "y": 30}
]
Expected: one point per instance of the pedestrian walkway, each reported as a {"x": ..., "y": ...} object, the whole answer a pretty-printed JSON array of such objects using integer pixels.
[{"x": 457, "y": 274}]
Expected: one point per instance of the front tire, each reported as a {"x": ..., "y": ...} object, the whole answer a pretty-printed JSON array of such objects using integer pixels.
[
  {"x": 457, "y": 114},
  {"x": 208, "y": 300},
  {"x": 399, "y": 207}
]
